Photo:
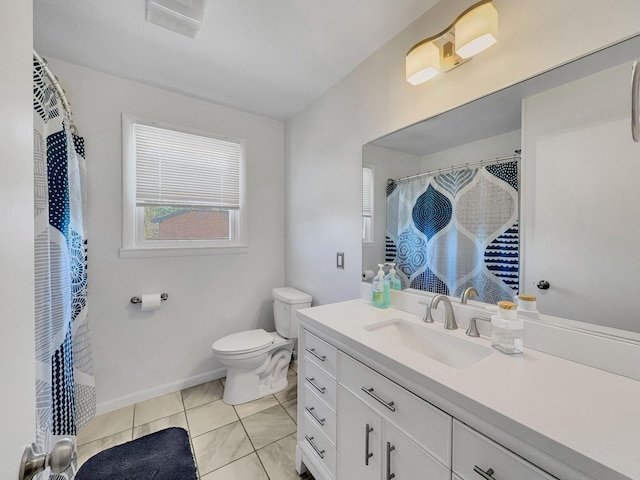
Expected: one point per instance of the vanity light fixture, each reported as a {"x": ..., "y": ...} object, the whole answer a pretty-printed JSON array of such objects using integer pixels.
[{"x": 475, "y": 30}]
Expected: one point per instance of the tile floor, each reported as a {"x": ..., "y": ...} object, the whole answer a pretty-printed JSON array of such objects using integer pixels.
[{"x": 255, "y": 440}]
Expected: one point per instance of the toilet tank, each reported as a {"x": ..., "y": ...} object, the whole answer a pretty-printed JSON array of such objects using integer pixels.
[{"x": 286, "y": 301}]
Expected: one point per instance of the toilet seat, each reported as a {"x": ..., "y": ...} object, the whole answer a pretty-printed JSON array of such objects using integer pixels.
[{"x": 244, "y": 342}]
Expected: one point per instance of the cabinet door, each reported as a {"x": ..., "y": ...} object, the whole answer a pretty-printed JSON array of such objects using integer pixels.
[
  {"x": 359, "y": 439},
  {"x": 404, "y": 460}
]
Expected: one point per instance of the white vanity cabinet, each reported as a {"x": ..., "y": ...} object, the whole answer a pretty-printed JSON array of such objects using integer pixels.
[
  {"x": 317, "y": 401},
  {"x": 356, "y": 424},
  {"x": 496, "y": 419}
]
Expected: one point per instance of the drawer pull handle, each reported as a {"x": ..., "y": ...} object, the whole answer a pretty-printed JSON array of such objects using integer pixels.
[
  {"x": 315, "y": 385},
  {"x": 390, "y": 448},
  {"x": 315, "y": 447},
  {"x": 372, "y": 394},
  {"x": 488, "y": 475},
  {"x": 367, "y": 454},
  {"x": 312, "y": 351},
  {"x": 314, "y": 415}
]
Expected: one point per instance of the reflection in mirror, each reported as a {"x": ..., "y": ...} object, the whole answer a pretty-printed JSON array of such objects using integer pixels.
[
  {"x": 448, "y": 230},
  {"x": 578, "y": 215}
]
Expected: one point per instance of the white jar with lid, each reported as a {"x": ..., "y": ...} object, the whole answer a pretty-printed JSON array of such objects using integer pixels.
[{"x": 527, "y": 302}]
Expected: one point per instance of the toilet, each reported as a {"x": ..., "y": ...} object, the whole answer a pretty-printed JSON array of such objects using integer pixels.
[{"x": 258, "y": 361}]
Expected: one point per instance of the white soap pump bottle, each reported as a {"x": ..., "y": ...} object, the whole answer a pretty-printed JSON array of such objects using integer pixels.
[{"x": 378, "y": 298}]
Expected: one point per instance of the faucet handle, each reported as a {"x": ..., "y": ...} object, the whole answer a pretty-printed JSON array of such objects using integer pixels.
[
  {"x": 472, "y": 330},
  {"x": 427, "y": 318}
]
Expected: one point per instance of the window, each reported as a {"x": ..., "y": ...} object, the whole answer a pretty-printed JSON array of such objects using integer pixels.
[
  {"x": 367, "y": 204},
  {"x": 182, "y": 190}
]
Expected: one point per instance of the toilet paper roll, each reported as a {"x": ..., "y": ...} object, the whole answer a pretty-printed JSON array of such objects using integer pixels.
[
  {"x": 151, "y": 301},
  {"x": 367, "y": 275}
]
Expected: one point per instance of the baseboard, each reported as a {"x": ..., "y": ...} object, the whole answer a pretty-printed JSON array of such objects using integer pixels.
[{"x": 142, "y": 395}]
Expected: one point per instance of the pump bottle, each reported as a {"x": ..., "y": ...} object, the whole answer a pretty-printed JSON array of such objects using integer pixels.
[
  {"x": 378, "y": 285},
  {"x": 394, "y": 279}
]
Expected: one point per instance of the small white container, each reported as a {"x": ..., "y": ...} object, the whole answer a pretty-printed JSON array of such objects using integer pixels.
[{"x": 507, "y": 335}]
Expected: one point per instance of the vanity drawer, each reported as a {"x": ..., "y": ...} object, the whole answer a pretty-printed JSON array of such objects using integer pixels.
[
  {"x": 318, "y": 413},
  {"x": 320, "y": 353},
  {"x": 321, "y": 384},
  {"x": 474, "y": 453},
  {"x": 421, "y": 421},
  {"x": 319, "y": 446}
]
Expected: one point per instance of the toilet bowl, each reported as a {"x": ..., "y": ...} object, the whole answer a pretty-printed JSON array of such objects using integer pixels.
[{"x": 257, "y": 361}]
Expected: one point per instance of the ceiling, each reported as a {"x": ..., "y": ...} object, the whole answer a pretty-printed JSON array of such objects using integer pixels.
[{"x": 268, "y": 57}]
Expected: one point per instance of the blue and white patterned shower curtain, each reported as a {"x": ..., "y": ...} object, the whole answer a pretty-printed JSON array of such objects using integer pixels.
[
  {"x": 65, "y": 387},
  {"x": 455, "y": 230}
]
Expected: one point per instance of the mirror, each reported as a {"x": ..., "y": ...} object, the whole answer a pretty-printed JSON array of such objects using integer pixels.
[{"x": 578, "y": 204}]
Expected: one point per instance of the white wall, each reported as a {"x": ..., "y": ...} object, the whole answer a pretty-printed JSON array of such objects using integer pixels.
[
  {"x": 323, "y": 143},
  {"x": 139, "y": 355},
  {"x": 17, "y": 349}
]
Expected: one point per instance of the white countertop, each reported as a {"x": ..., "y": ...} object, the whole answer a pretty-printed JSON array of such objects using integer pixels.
[{"x": 583, "y": 417}]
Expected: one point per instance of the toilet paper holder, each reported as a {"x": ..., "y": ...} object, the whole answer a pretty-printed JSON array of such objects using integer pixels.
[{"x": 163, "y": 297}]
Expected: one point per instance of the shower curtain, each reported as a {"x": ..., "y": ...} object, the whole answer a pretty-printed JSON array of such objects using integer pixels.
[
  {"x": 455, "y": 230},
  {"x": 65, "y": 388}
]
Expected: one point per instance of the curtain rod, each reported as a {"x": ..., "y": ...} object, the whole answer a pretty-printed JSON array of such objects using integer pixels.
[
  {"x": 53, "y": 80},
  {"x": 481, "y": 163}
]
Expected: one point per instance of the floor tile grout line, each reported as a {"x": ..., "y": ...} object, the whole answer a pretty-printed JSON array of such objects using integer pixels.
[{"x": 263, "y": 467}]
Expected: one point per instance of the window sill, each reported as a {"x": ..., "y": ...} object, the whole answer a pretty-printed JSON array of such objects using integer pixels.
[{"x": 156, "y": 252}]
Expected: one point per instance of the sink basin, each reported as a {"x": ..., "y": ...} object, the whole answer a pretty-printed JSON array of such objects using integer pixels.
[{"x": 442, "y": 347}]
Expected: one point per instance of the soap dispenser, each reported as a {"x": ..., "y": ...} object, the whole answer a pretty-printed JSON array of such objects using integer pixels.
[
  {"x": 507, "y": 330},
  {"x": 394, "y": 279},
  {"x": 379, "y": 283}
]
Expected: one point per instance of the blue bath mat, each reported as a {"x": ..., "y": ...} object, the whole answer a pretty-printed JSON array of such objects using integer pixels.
[{"x": 164, "y": 455}]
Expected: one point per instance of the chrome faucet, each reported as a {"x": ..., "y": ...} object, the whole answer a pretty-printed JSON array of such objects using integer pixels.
[
  {"x": 469, "y": 292},
  {"x": 449, "y": 317}
]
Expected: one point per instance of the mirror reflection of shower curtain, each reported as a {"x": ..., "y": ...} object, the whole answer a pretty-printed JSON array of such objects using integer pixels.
[
  {"x": 65, "y": 387},
  {"x": 455, "y": 230}
]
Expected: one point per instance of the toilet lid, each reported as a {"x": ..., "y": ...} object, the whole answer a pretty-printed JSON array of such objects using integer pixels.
[{"x": 243, "y": 342}]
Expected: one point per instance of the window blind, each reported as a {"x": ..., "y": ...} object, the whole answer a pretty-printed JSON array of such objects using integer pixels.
[
  {"x": 367, "y": 191},
  {"x": 181, "y": 169}
]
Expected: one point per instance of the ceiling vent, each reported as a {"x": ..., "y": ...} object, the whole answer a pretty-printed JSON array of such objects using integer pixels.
[{"x": 181, "y": 16}]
